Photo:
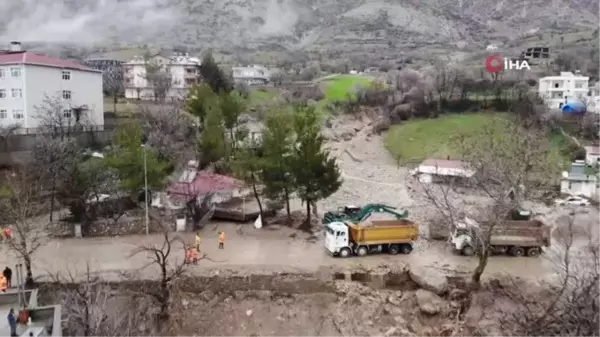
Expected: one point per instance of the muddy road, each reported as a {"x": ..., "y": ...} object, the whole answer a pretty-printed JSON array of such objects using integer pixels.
[{"x": 274, "y": 249}]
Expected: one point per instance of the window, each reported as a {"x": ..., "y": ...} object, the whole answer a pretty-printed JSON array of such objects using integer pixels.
[
  {"x": 15, "y": 72},
  {"x": 17, "y": 114},
  {"x": 66, "y": 75},
  {"x": 2, "y": 93},
  {"x": 67, "y": 113},
  {"x": 3, "y": 114},
  {"x": 2, "y": 73},
  {"x": 66, "y": 94},
  {"x": 16, "y": 93}
]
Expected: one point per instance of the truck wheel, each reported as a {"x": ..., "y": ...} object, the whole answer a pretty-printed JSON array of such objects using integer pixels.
[
  {"x": 345, "y": 252},
  {"x": 533, "y": 251},
  {"x": 406, "y": 249},
  {"x": 468, "y": 251},
  {"x": 362, "y": 251},
  {"x": 393, "y": 250},
  {"x": 517, "y": 251}
]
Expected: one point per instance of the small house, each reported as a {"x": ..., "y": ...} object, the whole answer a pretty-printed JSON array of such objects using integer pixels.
[
  {"x": 592, "y": 155},
  {"x": 580, "y": 181},
  {"x": 434, "y": 170}
]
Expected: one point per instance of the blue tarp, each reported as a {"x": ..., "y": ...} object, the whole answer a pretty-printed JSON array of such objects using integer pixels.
[{"x": 573, "y": 108}]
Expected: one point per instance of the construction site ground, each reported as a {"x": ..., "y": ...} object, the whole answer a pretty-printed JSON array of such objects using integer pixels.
[{"x": 329, "y": 308}]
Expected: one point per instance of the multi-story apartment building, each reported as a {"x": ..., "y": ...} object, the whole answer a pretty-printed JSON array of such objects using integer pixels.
[
  {"x": 253, "y": 75},
  {"x": 183, "y": 70},
  {"x": 28, "y": 79},
  {"x": 565, "y": 88}
]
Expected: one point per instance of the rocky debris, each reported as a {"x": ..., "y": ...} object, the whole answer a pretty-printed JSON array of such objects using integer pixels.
[
  {"x": 430, "y": 303},
  {"x": 244, "y": 118},
  {"x": 429, "y": 279},
  {"x": 347, "y": 134}
]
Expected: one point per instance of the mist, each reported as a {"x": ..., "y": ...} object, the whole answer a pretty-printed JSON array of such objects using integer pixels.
[{"x": 85, "y": 21}]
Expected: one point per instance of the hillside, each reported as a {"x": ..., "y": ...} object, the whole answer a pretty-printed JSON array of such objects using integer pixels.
[{"x": 383, "y": 26}]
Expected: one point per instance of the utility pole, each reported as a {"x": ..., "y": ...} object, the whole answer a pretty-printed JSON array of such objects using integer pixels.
[{"x": 147, "y": 220}]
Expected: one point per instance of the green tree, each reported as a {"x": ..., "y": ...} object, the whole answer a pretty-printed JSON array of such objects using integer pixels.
[
  {"x": 197, "y": 97},
  {"x": 278, "y": 141},
  {"x": 232, "y": 106},
  {"x": 315, "y": 173},
  {"x": 214, "y": 76},
  {"x": 248, "y": 166},
  {"x": 213, "y": 145},
  {"x": 127, "y": 158}
]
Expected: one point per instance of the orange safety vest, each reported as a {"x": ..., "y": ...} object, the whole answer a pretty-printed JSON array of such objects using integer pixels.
[
  {"x": 3, "y": 283},
  {"x": 222, "y": 237}
]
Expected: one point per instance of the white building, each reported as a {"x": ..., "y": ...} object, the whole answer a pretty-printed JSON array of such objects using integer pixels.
[
  {"x": 253, "y": 75},
  {"x": 592, "y": 155},
  {"x": 565, "y": 88},
  {"x": 183, "y": 70},
  {"x": 578, "y": 181},
  {"x": 27, "y": 80}
]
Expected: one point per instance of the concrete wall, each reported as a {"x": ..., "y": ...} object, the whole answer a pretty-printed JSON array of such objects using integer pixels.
[{"x": 17, "y": 149}]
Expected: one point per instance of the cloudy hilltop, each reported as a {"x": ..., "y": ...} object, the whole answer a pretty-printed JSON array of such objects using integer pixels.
[{"x": 289, "y": 24}]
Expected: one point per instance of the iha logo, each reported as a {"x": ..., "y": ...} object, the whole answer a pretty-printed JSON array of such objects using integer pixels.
[{"x": 496, "y": 64}]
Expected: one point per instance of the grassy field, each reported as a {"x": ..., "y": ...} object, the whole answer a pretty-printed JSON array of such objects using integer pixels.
[
  {"x": 416, "y": 140},
  {"x": 337, "y": 88}
]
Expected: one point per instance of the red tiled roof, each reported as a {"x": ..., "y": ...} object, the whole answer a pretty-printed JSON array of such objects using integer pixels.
[
  {"x": 205, "y": 183},
  {"x": 30, "y": 58}
]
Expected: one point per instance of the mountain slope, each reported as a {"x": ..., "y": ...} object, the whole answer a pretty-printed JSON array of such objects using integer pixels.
[{"x": 290, "y": 24}]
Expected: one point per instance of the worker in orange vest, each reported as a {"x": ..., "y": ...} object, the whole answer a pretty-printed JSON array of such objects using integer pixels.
[
  {"x": 3, "y": 284},
  {"x": 7, "y": 232},
  {"x": 192, "y": 255},
  {"x": 198, "y": 239},
  {"x": 221, "y": 240}
]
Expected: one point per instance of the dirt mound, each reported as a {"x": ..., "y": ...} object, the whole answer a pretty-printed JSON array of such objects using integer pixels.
[{"x": 367, "y": 302}]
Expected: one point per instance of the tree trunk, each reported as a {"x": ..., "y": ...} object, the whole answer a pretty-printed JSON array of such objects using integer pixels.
[
  {"x": 52, "y": 195},
  {"x": 287, "y": 202},
  {"x": 483, "y": 260},
  {"x": 115, "y": 99},
  {"x": 308, "y": 212},
  {"x": 260, "y": 208},
  {"x": 29, "y": 274}
]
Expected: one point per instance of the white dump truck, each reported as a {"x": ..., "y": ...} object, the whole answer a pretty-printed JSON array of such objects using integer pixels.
[
  {"x": 515, "y": 237},
  {"x": 345, "y": 238}
]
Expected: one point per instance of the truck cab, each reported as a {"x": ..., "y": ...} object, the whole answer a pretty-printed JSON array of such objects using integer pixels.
[{"x": 337, "y": 239}]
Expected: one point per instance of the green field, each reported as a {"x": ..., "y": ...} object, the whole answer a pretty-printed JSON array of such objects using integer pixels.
[
  {"x": 337, "y": 88},
  {"x": 416, "y": 140}
]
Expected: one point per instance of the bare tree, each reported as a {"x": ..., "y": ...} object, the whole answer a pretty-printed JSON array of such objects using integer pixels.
[
  {"x": 569, "y": 303},
  {"x": 23, "y": 202},
  {"x": 92, "y": 307},
  {"x": 512, "y": 163},
  {"x": 170, "y": 131},
  {"x": 113, "y": 82},
  {"x": 170, "y": 267},
  {"x": 159, "y": 79},
  {"x": 60, "y": 119}
]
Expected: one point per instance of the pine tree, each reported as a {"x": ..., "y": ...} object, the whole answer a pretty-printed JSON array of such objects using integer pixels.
[
  {"x": 278, "y": 141},
  {"x": 315, "y": 173},
  {"x": 214, "y": 76}
]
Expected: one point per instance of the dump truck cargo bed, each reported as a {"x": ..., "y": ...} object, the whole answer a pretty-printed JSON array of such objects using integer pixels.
[
  {"x": 521, "y": 233},
  {"x": 384, "y": 232}
]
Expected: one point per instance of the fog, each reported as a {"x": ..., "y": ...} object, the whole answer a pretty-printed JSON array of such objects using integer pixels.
[
  {"x": 139, "y": 21},
  {"x": 83, "y": 21}
]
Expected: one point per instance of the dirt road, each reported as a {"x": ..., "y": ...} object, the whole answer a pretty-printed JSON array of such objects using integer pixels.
[{"x": 276, "y": 249}]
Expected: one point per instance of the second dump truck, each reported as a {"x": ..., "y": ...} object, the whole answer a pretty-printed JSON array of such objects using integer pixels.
[
  {"x": 517, "y": 238},
  {"x": 344, "y": 238}
]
